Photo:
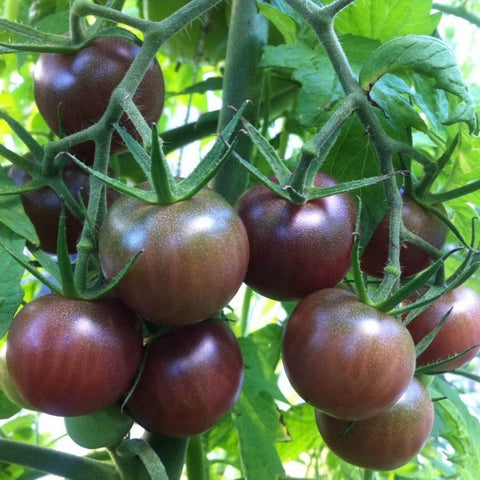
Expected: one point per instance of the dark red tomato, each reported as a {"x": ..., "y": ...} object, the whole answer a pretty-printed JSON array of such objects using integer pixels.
[
  {"x": 78, "y": 86},
  {"x": 73, "y": 357},
  {"x": 297, "y": 249},
  {"x": 413, "y": 259},
  {"x": 44, "y": 206},
  {"x": 459, "y": 332},
  {"x": 194, "y": 255},
  {"x": 192, "y": 378},
  {"x": 388, "y": 440},
  {"x": 344, "y": 357}
]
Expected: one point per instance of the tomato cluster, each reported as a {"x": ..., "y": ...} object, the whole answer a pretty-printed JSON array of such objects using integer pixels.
[
  {"x": 151, "y": 351},
  {"x": 353, "y": 363},
  {"x": 156, "y": 351}
]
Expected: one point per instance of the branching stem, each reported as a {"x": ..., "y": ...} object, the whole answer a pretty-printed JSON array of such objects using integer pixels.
[{"x": 321, "y": 20}]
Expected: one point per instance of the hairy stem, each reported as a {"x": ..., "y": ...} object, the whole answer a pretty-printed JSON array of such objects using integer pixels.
[
  {"x": 242, "y": 81},
  {"x": 321, "y": 20}
]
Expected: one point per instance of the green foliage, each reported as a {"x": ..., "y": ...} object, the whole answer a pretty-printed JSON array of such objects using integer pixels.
[{"x": 387, "y": 20}]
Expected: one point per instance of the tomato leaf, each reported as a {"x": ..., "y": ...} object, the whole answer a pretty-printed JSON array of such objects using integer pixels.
[
  {"x": 283, "y": 21},
  {"x": 310, "y": 67},
  {"x": 300, "y": 422},
  {"x": 256, "y": 418},
  {"x": 12, "y": 214},
  {"x": 256, "y": 421},
  {"x": 7, "y": 408},
  {"x": 428, "y": 56},
  {"x": 459, "y": 427},
  {"x": 11, "y": 292},
  {"x": 387, "y": 19}
]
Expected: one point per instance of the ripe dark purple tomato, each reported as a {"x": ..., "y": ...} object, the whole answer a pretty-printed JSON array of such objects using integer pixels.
[
  {"x": 297, "y": 249},
  {"x": 386, "y": 441},
  {"x": 344, "y": 357},
  {"x": 78, "y": 87},
  {"x": 73, "y": 357},
  {"x": 459, "y": 333},
  {"x": 44, "y": 207},
  {"x": 194, "y": 255},
  {"x": 413, "y": 259},
  {"x": 192, "y": 378}
]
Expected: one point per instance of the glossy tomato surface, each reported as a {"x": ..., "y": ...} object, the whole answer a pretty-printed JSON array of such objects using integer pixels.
[
  {"x": 388, "y": 440},
  {"x": 192, "y": 378},
  {"x": 73, "y": 357},
  {"x": 297, "y": 249},
  {"x": 413, "y": 259},
  {"x": 194, "y": 255},
  {"x": 344, "y": 357},
  {"x": 44, "y": 207},
  {"x": 79, "y": 86},
  {"x": 460, "y": 331}
]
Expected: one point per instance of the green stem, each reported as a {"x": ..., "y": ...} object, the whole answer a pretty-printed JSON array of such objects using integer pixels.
[
  {"x": 248, "y": 32},
  {"x": 321, "y": 20},
  {"x": 458, "y": 12},
  {"x": 245, "y": 311},
  {"x": 196, "y": 461},
  {"x": 82, "y": 8},
  {"x": 315, "y": 151},
  {"x": 55, "y": 462}
]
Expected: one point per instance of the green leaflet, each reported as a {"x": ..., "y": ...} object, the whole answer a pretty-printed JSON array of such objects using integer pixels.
[
  {"x": 429, "y": 57},
  {"x": 459, "y": 427},
  {"x": 387, "y": 19},
  {"x": 256, "y": 417},
  {"x": 11, "y": 292}
]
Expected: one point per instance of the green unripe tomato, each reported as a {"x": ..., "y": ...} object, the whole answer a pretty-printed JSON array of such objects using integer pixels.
[
  {"x": 7, "y": 385},
  {"x": 103, "y": 428}
]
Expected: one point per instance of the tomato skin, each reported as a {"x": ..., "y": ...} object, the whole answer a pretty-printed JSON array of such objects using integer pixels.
[
  {"x": 297, "y": 249},
  {"x": 412, "y": 259},
  {"x": 192, "y": 378},
  {"x": 73, "y": 357},
  {"x": 103, "y": 428},
  {"x": 344, "y": 357},
  {"x": 44, "y": 207},
  {"x": 81, "y": 83},
  {"x": 386, "y": 441},
  {"x": 194, "y": 256},
  {"x": 459, "y": 332}
]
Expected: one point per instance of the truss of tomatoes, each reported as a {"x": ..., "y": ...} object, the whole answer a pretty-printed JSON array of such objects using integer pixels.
[
  {"x": 78, "y": 358},
  {"x": 72, "y": 357},
  {"x": 356, "y": 366},
  {"x": 81, "y": 358}
]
